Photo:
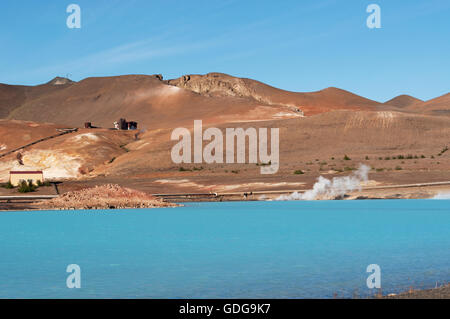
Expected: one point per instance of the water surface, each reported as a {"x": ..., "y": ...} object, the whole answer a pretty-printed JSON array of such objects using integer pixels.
[{"x": 227, "y": 250}]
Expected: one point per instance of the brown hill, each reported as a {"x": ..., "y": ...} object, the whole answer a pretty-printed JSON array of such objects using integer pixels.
[
  {"x": 437, "y": 106},
  {"x": 154, "y": 103},
  {"x": 218, "y": 84},
  {"x": 14, "y": 96},
  {"x": 11, "y": 96},
  {"x": 362, "y": 133},
  {"x": 316, "y": 145},
  {"x": 404, "y": 101},
  {"x": 337, "y": 123},
  {"x": 400, "y": 148},
  {"x": 15, "y": 134},
  {"x": 146, "y": 99},
  {"x": 214, "y": 98},
  {"x": 71, "y": 155}
]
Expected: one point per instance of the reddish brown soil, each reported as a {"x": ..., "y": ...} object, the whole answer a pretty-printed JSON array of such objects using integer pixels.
[
  {"x": 337, "y": 123},
  {"x": 404, "y": 101},
  {"x": 104, "y": 197},
  {"x": 439, "y": 106}
]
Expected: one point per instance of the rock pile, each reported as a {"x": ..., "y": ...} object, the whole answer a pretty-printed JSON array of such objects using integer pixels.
[{"x": 105, "y": 197}]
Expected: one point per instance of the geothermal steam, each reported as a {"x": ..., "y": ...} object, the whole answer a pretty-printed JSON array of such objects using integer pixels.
[
  {"x": 442, "y": 196},
  {"x": 325, "y": 188}
]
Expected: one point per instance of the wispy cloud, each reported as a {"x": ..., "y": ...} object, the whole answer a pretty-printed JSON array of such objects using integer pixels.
[{"x": 109, "y": 59}]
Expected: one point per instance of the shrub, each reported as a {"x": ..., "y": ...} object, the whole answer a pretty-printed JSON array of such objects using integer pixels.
[
  {"x": 445, "y": 149},
  {"x": 123, "y": 146},
  {"x": 398, "y": 168},
  {"x": 299, "y": 172},
  {"x": 346, "y": 158},
  {"x": 8, "y": 185},
  {"x": 367, "y": 158},
  {"x": 26, "y": 187},
  {"x": 264, "y": 164}
]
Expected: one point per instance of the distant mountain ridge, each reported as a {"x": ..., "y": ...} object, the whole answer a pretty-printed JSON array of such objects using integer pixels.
[
  {"x": 404, "y": 101},
  {"x": 213, "y": 97}
]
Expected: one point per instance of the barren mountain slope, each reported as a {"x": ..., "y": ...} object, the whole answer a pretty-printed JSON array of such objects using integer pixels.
[
  {"x": 11, "y": 96},
  {"x": 337, "y": 123},
  {"x": 315, "y": 145},
  {"x": 71, "y": 155},
  {"x": 214, "y": 98},
  {"x": 14, "y": 134},
  {"x": 14, "y": 96},
  {"x": 145, "y": 99},
  {"x": 437, "y": 106},
  {"x": 404, "y": 101},
  {"x": 218, "y": 84}
]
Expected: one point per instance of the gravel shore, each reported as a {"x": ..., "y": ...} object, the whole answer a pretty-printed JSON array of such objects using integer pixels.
[{"x": 442, "y": 292}]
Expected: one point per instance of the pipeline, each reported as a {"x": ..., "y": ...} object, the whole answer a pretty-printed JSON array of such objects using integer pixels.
[{"x": 63, "y": 132}]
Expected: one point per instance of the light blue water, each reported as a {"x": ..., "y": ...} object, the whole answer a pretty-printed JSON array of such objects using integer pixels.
[{"x": 227, "y": 250}]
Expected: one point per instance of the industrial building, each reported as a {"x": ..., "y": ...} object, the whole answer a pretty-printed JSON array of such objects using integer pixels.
[
  {"x": 122, "y": 124},
  {"x": 15, "y": 177}
]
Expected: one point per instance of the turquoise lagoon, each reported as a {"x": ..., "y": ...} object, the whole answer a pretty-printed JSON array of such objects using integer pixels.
[{"x": 295, "y": 249}]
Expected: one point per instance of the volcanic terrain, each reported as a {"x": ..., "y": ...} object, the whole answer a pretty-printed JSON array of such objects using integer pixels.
[{"x": 328, "y": 132}]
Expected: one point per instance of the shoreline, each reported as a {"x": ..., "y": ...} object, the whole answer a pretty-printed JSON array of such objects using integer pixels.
[
  {"x": 104, "y": 199},
  {"x": 442, "y": 292},
  {"x": 13, "y": 207}
]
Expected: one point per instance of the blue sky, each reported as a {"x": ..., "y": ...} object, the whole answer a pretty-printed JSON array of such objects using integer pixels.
[{"x": 295, "y": 45}]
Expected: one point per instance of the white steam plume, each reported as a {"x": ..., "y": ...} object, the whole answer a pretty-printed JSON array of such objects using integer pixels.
[
  {"x": 442, "y": 196},
  {"x": 330, "y": 189}
]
